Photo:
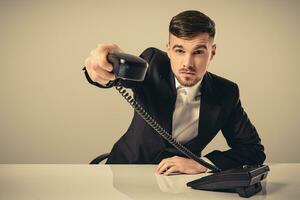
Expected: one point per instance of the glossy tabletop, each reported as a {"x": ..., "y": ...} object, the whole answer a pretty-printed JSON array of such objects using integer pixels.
[{"x": 45, "y": 182}]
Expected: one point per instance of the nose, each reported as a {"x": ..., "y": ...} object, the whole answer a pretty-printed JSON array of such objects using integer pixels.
[{"x": 188, "y": 61}]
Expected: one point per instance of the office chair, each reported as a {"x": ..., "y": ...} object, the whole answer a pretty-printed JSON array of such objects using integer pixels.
[{"x": 99, "y": 159}]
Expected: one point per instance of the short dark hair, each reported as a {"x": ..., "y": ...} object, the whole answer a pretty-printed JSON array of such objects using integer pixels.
[{"x": 190, "y": 23}]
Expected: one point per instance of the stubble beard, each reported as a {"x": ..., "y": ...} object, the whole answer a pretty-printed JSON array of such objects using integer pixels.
[{"x": 186, "y": 81}]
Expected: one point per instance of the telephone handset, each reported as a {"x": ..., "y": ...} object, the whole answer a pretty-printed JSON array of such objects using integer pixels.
[
  {"x": 245, "y": 181},
  {"x": 128, "y": 67}
]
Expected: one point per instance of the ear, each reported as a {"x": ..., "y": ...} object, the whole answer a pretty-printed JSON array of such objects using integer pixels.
[
  {"x": 168, "y": 49},
  {"x": 213, "y": 51}
]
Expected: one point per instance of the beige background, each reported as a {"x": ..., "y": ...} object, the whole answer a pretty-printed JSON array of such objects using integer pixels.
[{"x": 50, "y": 114}]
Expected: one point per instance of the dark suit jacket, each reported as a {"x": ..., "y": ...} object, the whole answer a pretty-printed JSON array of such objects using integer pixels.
[{"x": 220, "y": 109}]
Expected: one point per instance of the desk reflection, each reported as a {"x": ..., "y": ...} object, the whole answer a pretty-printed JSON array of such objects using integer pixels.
[
  {"x": 138, "y": 183},
  {"x": 126, "y": 182}
]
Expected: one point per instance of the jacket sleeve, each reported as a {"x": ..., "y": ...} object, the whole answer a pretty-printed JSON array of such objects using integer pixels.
[{"x": 242, "y": 138}]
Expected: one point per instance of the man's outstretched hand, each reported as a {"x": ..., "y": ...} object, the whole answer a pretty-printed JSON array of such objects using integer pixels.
[{"x": 178, "y": 164}]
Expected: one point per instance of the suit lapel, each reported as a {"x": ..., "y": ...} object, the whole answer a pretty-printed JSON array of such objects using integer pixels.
[{"x": 168, "y": 98}]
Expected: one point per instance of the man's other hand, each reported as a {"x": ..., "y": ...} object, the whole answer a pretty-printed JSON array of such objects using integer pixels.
[{"x": 178, "y": 164}]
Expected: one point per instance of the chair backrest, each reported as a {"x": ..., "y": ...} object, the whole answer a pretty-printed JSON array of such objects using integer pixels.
[{"x": 100, "y": 158}]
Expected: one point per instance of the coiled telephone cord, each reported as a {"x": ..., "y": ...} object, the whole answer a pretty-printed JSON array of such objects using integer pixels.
[{"x": 161, "y": 131}]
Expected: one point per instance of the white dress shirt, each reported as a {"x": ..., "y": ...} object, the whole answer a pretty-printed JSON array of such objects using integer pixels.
[{"x": 186, "y": 113}]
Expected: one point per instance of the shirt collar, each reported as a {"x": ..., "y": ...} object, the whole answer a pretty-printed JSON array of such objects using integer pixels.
[{"x": 193, "y": 91}]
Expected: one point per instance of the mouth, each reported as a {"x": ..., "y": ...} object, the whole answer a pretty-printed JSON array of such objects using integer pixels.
[{"x": 187, "y": 72}]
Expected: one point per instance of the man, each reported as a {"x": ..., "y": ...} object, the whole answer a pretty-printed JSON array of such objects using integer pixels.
[{"x": 189, "y": 102}]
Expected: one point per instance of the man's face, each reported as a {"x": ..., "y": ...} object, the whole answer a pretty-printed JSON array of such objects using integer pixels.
[{"x": 190, "y": 57}]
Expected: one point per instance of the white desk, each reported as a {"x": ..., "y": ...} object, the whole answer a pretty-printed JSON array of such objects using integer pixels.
[{"x": 123, "y": 182}]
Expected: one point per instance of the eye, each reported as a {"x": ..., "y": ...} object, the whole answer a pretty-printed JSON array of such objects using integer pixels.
[
  {"x": 199, "y": 52},
  {"x": 179, "y": 51}
]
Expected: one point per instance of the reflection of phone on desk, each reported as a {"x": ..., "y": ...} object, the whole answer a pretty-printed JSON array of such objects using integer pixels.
[{"x": 245, "y": 181}]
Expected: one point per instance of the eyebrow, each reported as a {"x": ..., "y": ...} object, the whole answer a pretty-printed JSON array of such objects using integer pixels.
[{"x": 197, "y": 47}]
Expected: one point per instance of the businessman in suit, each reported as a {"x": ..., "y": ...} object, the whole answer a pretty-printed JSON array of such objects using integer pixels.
[{"x": 188, "y": 101}]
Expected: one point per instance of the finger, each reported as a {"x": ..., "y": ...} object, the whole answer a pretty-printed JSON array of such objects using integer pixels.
[
  {"x": 96, "y": 78},
  {"x": 100, "y": 59},
  {"x": 165, "y": 167},
  {"x": 96, "y": 72},
  {"x": 88, "y": 64},
  {"x": 101, "y": 81},
  {"x": 160, "y": 164},
  {"x": 100, "y": 76},
  {"x": 171, "y": 170},
  {"x": 103, "y": 51},
  {"x": 103, "y": 62},
  {"x": 114, "y": 48},
  {"x": 104, "y": 74},
  {"x": 91, "y": 71}
]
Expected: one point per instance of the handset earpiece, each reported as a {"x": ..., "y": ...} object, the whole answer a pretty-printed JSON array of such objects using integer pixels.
[{"x": 128, "y": 67}]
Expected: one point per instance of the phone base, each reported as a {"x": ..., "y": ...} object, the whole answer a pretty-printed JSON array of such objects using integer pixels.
[{"x": 244, "y": 181}]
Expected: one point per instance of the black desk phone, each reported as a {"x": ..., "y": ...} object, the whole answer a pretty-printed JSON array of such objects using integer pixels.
[{"x": 246, "y": 181}]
